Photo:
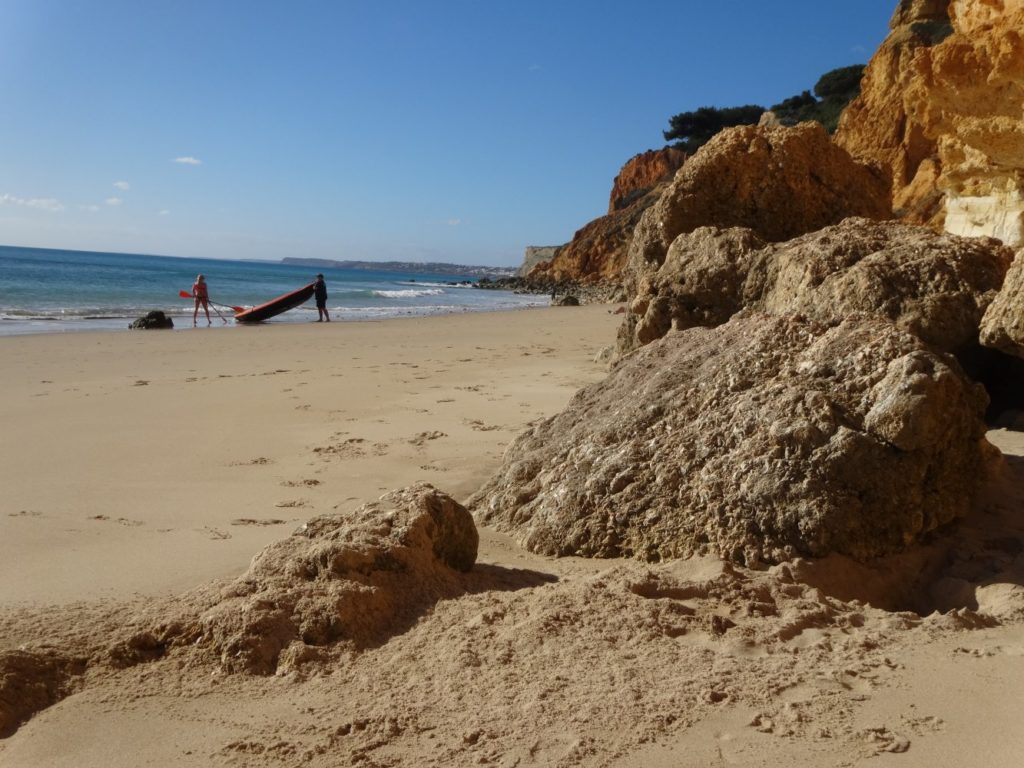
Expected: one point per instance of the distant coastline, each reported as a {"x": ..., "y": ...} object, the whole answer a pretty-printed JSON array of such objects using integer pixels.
[{"x": 435, "y": 268}]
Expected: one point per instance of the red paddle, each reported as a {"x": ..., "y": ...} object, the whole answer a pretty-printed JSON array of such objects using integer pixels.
[{"x": 187, "y": 295}]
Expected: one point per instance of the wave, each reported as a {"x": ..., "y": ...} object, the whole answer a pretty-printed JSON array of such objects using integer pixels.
[
  {"x": 409, "y": 293},
  {"x": 437, "y": 285}
]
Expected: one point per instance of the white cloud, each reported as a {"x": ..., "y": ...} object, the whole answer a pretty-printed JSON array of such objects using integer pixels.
[
  {"x": 92, "y": 208},
  {"x": 454, "y": 222},
  {"x": 113, "y": 201},
  {"x": 40, "y": 203},
  {"x": 164, "y": 212},
  {"x": 188, "y": 161},
  {"x": 123, "y": 185}
]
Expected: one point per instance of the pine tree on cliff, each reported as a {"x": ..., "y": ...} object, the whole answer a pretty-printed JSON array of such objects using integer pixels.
[{"x": 833, "y": 91}]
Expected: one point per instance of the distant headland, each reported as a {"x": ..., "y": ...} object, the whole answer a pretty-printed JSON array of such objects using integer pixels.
[{"x": 430, "y": 267}]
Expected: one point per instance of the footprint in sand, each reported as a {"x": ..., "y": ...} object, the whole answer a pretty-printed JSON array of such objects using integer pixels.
[
  {"x": 140, "y": 383},
  {"x": 881, "y": 740},
  {"x": 352, "y": 448},
  {"x": 25, "y": 513},
  {"x": 292, "y": 504},
  {"x": 254, "y": 521},
  {"x": 423, "y": 437},
  {"x": 215, "y": 533},
  {"x": 258, "y": 461},
  {"x": 479, "y": 426},
  {"x": 298, "y": 483}
]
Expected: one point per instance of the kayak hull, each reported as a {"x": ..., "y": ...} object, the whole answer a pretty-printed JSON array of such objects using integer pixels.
[{"x": 276, "y": 306}]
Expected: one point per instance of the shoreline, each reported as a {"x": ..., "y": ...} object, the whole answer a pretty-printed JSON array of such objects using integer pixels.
[{"x": 36, "y": 326}]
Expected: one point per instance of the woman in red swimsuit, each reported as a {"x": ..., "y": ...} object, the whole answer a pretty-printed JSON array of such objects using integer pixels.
[{"x": 202, "y": 297}]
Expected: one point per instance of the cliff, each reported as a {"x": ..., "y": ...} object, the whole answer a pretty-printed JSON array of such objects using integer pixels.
[
  {"x": 642, "y": 173},
  {"x": 941, "y": 110},
  {"x": 599, "y": 250},
  {"x": 534, "y": 255}
]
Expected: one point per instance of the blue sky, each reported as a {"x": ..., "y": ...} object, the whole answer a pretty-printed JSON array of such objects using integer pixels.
[{"x": 429, "y": 130}]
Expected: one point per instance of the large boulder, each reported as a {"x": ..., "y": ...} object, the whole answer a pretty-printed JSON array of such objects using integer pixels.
[
  {"x": 933, "y": 285},
  {"x": 354, "y": 579},
  {"x": 758, "y": 440},
  {"x": 780, "y": 182},
  {"x": 1002, "y": 327}
]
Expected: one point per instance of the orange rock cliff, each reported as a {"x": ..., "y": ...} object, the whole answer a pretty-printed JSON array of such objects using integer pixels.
[{"x": 942, "y": 110}]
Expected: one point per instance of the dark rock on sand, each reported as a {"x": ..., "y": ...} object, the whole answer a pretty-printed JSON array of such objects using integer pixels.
[
  {"x": 154, "y": 319},
  {"x": 760, "y": 439}
]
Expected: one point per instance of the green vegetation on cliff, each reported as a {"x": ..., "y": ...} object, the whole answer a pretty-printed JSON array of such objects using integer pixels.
[{"x": 833, "y": 91}]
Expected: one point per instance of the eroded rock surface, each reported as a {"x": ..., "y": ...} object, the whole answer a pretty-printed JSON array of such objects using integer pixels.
[
  {"x": 935, "y": 286},
  {"x": 780, "y": 182},
  {"x": 1002, "y": 327},
  {"x": 760, "y": 439},
  {"x": 354, "y": 579},
  {"x": 642, "y": 173}
]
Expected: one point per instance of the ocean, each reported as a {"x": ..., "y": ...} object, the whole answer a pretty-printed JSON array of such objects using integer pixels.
[{"x": 52, "y": 291}]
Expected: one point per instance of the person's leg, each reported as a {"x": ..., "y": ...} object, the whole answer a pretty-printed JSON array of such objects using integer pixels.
[
  {"x": 206, "y": 306},
  {"x": 195, "y": 311},
  {"x": 327, "y": 315}
]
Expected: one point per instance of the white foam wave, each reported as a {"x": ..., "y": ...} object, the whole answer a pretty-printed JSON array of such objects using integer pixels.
[{"x": 409, "y": 293}]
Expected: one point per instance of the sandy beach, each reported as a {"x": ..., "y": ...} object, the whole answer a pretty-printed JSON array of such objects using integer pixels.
[{"x": 138, "y": 467}]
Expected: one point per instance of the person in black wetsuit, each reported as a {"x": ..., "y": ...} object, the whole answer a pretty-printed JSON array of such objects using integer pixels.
[{"x": 320, "y": 294}]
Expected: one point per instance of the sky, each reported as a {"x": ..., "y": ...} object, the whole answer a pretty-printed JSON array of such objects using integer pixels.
[{"x": 412, "y": 130}]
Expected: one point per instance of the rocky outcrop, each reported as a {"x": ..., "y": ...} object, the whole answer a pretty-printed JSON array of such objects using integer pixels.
[
  {"x": 941, "y": 109},
  {"x": 759, "y": 439},
  {"x": 779, "y": 182},
  {"x": 933, "y": 285},
  {"x": 598, "y": 251},
  {"x": 534, "y": 255},
  {"x": 642, "y": 173},
  {"x": 353, "y": 579},
  {"x": 1002, "y": 327},
  {"x": 151, "y": 320}
]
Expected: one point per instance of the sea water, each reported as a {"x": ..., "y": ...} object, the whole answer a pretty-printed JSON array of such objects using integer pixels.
[{"x": 51, "y": 291}]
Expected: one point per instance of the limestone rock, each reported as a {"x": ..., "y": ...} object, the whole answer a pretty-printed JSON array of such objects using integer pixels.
[
  {"x": 942, "y": 109},
  {"x": 151, "y": 320},
  {"x": 779, "y": 182},
  {"x": 936, "y": 286},
  {"x": 353, "y": 579},
  {"x": 1002, "y": 327},
  {"x": 534, "y": 255},
  {"x": 758, "y": 440},
  {"x": 642, "y": 173}
]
